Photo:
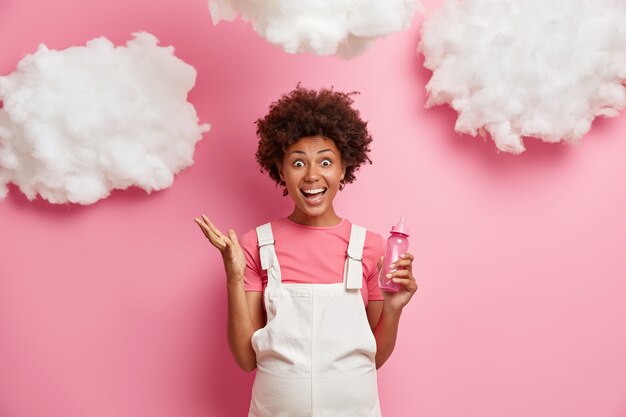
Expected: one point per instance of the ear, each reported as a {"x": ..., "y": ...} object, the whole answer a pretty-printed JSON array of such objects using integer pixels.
[
  {"x": 279, "y": 165},
  {"x": 343, "y": 173}
]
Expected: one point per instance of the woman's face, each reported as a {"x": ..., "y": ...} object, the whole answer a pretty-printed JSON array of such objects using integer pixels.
[{"x": 312, "y": 169}]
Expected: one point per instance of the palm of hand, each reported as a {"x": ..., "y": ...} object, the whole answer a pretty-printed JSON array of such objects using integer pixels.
[
  {"x": 232, "y": 254},
  {"x": 234, "y": 260}
]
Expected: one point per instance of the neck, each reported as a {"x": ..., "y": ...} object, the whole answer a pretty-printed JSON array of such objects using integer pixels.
[{"x": 329, "y": 218}]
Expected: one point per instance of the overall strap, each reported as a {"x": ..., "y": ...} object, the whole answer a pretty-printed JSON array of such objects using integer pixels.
[
  {"x": 353, "y": 270},
  {"x": 269, "y": 261}
]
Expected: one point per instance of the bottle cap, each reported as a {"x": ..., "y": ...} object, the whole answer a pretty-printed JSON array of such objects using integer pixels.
[{"x": 400, "y": 227}]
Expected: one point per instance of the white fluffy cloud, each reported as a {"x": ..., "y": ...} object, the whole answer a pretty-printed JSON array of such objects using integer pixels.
[
  {"x": 533, "y": 68},
  {"x": 80, "y": 122},
  {"x": 324, "y": 27}
]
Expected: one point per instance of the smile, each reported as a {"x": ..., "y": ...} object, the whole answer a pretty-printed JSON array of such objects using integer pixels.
[{"x": 313, "y": 195}]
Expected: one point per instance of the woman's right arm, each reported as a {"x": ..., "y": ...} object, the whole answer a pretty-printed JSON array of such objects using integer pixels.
[
  {"x": 245, "y": 316},
  {"x": 245, "y": 309}
]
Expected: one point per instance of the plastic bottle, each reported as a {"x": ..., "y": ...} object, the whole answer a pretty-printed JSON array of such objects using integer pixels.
[{"x": 397, "y": 244}]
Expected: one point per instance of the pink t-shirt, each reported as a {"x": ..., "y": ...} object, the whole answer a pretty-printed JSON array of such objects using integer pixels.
[{"x": 312, "y": 255}]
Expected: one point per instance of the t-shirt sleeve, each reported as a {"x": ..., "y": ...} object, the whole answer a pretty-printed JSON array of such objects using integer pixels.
[
  {"x": 253, "y": 274},
  {"x": 372, "y": 251}
]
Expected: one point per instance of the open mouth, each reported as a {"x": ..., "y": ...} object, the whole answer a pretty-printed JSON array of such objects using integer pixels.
[{"x": 313, "y": 195}]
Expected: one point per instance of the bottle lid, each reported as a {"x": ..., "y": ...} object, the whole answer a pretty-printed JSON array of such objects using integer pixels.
[{"x": 400, "y": 227}]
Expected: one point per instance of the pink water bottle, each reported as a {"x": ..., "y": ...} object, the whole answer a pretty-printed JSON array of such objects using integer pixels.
[{"x": 397, "y": 244}]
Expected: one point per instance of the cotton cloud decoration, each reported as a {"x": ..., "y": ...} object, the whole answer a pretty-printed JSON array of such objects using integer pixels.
[
  {"x": 80, "y": 122},
  {"x": 325, "y": 27},
  {"x": 530, "y": 68}
]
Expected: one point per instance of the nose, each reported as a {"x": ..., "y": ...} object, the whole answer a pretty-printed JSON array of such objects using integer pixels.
[{"x": 312, "y": 174}]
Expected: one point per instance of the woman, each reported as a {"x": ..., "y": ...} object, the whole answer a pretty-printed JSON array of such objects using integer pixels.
[{"x": 304, "y": 307}]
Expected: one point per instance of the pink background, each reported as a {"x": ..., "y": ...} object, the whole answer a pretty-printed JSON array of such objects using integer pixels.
[{"x": 118, "y": 309}]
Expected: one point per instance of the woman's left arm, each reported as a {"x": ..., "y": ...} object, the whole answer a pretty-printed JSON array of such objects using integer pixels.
[{"x": 384, "y": 316}]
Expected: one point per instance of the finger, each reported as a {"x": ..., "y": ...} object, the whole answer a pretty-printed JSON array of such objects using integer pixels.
[
  {"x": 199, "y": 220},
  {"x": 231, "y": 248},
  {"x": 214, "y": 230},
  {"x": 205, "y": 232},
  {"x": 407, "y": 255},
  {"x": 404, "y": 263},
  {"x": 212, "y": 227},
  {"x": 203, "y": 226},
  {"x": 233, "y": 237},
  {"x": 409, "y": 284},
  {"x": 215, "y": 239},
  {"x": 229, "y": 239},
  {"x": 401, "y": 273}
]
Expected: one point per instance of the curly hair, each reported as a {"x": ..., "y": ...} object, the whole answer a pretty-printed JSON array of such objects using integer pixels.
[{"x": 304, "y": 113}]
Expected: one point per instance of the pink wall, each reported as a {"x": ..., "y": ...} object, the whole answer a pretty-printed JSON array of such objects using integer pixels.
[{"x": 118, "y": 309}]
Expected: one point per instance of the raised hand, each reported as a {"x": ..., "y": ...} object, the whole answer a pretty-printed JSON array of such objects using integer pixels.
[{"x": 232, "y": 254}]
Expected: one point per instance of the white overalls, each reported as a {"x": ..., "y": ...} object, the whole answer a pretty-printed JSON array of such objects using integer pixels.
[{"x": 316, "y": 354}]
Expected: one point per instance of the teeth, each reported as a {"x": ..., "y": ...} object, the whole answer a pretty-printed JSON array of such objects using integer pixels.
[{"x": 314, "y": 191}]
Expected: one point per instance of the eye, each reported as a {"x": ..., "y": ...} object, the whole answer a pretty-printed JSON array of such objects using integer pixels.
[
  {"x": 298, "y": 164},
  {"x": 326, "y": 163}
]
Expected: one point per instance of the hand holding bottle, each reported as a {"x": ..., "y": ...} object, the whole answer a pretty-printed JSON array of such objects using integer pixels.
[
  {"x": 396, "y": 276},
  {"x": 402, "y": 275}
]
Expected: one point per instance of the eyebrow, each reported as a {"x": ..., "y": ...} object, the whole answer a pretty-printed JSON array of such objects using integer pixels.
[{"x": 322, "y": 151}]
